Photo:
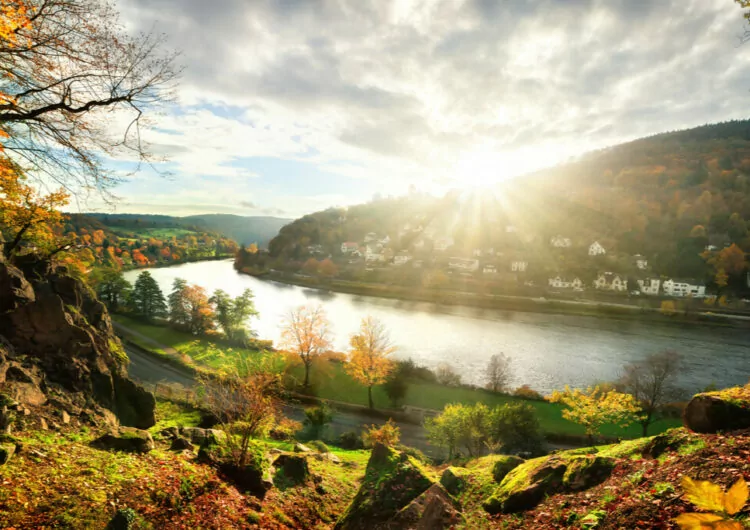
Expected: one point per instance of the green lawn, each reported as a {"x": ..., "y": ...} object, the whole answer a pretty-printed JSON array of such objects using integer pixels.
[
  {"x": 199, "y": 350},
  {"x": 331, "y": 382},
  {"x": 158, "y": 233}
]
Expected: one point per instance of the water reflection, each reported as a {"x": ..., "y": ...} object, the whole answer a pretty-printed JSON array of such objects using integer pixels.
[{"x": 547, "y": 351}]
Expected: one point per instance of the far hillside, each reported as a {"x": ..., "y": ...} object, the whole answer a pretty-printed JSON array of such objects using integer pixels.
[{"x": 667, "y": 214}]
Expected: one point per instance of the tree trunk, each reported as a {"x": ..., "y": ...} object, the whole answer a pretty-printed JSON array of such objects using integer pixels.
[
  {"x": 369, "y": 396},
  {"x": 307, "y": 375},
  {"x": 645, "y": 423}
]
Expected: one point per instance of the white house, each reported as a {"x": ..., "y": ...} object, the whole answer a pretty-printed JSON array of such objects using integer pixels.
[
  {"x": 463, "y": 264},
  {"x": 489, "y": 269},
  {"x": 374, "y": 253},
  {"x": 519, "y": 265},
  {"x": 649, "y": 286},
  {"x": 641, "y": 262},
  {"x": 673, "y": 287},
  {"x": 596, "y": 249},
  {"x": 385, "y": 240},
  {"x": 443, "y": 243},
  {"x": 477, "y": 252},
  {"x": 349, "y": 246},
  {"x": 402, "y": 258},
  {"x": 560, "y": 242},
  {"x": 564, "y": 283},
  {"x": 608, "y": 281},
  {"x": 371, "y": 236}
]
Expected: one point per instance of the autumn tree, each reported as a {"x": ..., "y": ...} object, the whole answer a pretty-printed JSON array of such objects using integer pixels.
[
  {"x": 232, "y": 314},
  {"x": 328, "y": 268},
  {"x": 653, "y": 383},
  {"x": 68, "y": 72},
  {"x": 369, "y": 350},
  {"x": 498, "y": 372},
  {"x": 727, "y": 262},
  {"x": 596, "y": 406},
  {"x": 306, "y": 332},
  {"x": 146, "y": 298},
  {"x": 199, "y": 310}
]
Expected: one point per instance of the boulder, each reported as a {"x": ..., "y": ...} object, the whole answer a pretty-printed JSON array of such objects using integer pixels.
[
  {"x": 126, "y": 439},
  {"x": 529, "y": 483},
  {"x": 170, "y": 432},
  {"x": 503, "y": 465},
  {"x": 670, "y": 440},
  {"x": 124, "y": 519},
  {"x": 200, "y": 436},
  {"x": 7, "y": 450},
  {"x": 291, "y": 467},
  {"x": 300, "y": 448},
  {"x": 16, "y": 290},
  {"x": 392, "y": 481},
  {"x": 180, "y": 444},
  {"x": 434, "y": 509},
  {"x": 726, "y": 410},
  {"x": 453, "y": 479},
  {"x": 254, "y": 476}
]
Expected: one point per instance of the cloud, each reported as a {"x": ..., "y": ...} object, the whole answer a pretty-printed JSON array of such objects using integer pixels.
[{"x": 403, "y": 92}]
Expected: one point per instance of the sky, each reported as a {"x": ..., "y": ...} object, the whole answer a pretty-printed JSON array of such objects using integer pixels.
[{"x": 286, "y": 107}]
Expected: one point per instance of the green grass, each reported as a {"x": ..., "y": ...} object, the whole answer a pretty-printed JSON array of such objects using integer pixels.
[
  {"x": 199, "y": 350},
  {"x": 170, "y": 414},
  {"x": 158, "y": 233},
  {"x": 331, "y": 382}
]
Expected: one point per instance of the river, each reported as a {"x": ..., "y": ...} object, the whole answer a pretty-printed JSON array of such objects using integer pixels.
[{"x": 547, "y": 351}]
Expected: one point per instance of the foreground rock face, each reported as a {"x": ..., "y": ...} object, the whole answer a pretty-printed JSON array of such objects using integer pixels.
[
  {"x": 392, "y": 481},
  {"x": 54, "y": 333},
  {"x": 726, "y": 410},
  {"x": 434, "y": 509}
]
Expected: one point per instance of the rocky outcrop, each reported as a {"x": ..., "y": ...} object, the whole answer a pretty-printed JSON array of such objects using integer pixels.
[
  {"x": 56, "y": 334},
  {"x": 503, "y": 465},
  {"x": 434, "y": 509},
  {"x": 292, "y": 468},
  {"x": 392, "y": 481},
  {"x": 200, "y": 436},
  {"x": 712, "y": 412},
  {"x": 126, "y": 439}
]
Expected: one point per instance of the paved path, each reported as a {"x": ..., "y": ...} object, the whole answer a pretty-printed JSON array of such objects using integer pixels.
[{"x": 145, "y": 338}]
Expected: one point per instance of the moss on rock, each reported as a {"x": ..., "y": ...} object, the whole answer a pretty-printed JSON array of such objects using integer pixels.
[{"x": 503, "y": 465}]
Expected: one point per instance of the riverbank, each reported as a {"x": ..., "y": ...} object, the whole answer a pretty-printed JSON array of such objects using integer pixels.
[
  {"x": 511, "y": 303},
  {"x": 161, "y": 265},
  {"x": 331, "y": 382}
]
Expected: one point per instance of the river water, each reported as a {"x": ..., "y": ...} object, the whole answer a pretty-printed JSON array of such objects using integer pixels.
[{"x": 547, "y": 351}]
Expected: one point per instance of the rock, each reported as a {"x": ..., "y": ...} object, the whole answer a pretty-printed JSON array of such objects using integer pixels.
[
  {"x": 43, "y": 424},
  {"x": 134, "y": 406},
  {"x": 453, "y": 479},
  {"x": 16, "y": 291},
  {"x": 434, "y": 509},
  {"x": 170, "y": 432},
  {"x": 299, "y": 448},
  {"x": 329, "y": 457},
  {"x": 127, "y": 439},
  {"x": 180, "y": 444},
  {"x": 503, "y": 465},
  {"x": 64, "y": 417},
  {"x": 726, "y": 410},
  {"x": 293, "y": 468},
  {"x": 528, "y": 484},
  {"x": 392, "y": 481},
  {"x": 123, "y": 519},
  {"x": 254, "y": 476},
  {"x": 7, "y": 450},
  {"x": 203, "y": 436},
  {"x": 275, "y": 451}
]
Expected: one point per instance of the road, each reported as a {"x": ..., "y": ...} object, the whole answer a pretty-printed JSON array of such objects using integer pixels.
[{"x": 146, "y": 368}]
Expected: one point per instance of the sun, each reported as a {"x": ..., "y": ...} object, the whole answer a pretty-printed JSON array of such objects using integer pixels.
[{"x": 482, "y": 169}]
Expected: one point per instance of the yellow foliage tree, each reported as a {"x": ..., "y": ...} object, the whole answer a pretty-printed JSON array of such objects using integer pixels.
[
  {"x": 668, "y": 308},
  {"x": 306, "y": 332},
  {"x": 596, "y": 406},
  {"x": 25, "y": 214},
  {"x": 368, "y": 363}
]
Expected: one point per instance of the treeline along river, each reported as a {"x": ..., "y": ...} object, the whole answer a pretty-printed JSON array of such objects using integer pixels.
[{"x": 548, "y": 351}]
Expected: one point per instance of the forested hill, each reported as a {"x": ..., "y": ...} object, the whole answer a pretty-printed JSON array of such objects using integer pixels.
[
  {"x": 244, "y": 230},
  {"x": 667, "y": 197}
]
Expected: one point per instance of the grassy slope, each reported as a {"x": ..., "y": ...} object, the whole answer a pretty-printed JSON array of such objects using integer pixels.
[{"x": 331, "y": 382}]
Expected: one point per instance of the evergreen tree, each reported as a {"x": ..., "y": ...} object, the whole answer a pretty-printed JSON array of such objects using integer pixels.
[
  {"x": 111, "y": 287},
  {"x": 178, "y": 312},
  {"x": 146, "y": 299}
]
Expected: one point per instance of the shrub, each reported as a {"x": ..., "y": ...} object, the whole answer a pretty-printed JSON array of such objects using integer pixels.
[
  {"x": 316, "y": 418},
  {"x": 285, "y": 429},
  {"x": 396, "y": 386},
  {"x": 526, "y": 392},
  {"x": 388, "y": 434},
  {"x": 319, "y": 446},
  {"x": 414, "y": 453},
  {"x": 516, "y": 429},
  {"x": 350, "y": 440},
  {"x": 413, "y": 372}
]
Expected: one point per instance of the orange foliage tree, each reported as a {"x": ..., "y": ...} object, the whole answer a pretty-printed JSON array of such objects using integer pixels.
[
  {"x": 199, "y": 311},
  {"x": 369, "y": 362},
  {"x": 306, "y": 332}
]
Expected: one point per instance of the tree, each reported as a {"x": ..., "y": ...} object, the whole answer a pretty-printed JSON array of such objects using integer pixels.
[
  {"x": 387, "y": 434},
  {"x": 515, "y": 429},
  {"x": 25, "y": 214},
  {"x": 369, "y": 364},
  {"x": 328, "y": 268},
  {"x": 111, "y": 287},
  {"x": 305, "y": 332},
  {"x": 447, "y": 375},
  {"x": 68, "y": 69},
  {"x": 653, "y": 383},
  {"x": 596, "y": 406},
  {"x": 316, "y": 418},
  {"x": 397, "y": 385},
  {"x": 200, "y": 313},
  {"x": 146, "y": 299},
  {"x": 178, "y": 311},
  {"x": 498, "y": 372},
  {"x": 232, "y": 314},
  {"x": 247, "y": 406},
  {"x": 446, "y": 429}
]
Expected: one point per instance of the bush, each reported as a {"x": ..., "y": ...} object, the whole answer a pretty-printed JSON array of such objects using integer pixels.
[
  {"x": 396, "y": 386},
  {"x": 413, "y": 372},
  {"x": 319, "y": 446},
  {"x": 516, "y": 429},
  {"x": 316, "y": 418},
  {"x": 388, "y": 434},
  {"x": 414, "y": 453},
  {"x": 351, "y": 440},
  {"x": 526, "y": 392},
  {"x": 285, "y": 429}
]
